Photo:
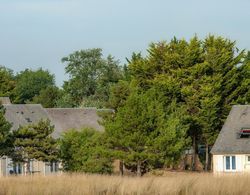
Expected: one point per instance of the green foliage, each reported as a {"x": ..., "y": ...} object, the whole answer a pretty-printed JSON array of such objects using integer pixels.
[
  {"x": 35, "y": 142},
  {"x": 85, "y": 151},
  {"x": 5, "y": 134},
  {"x": 203, "y": 77},
  {"x": 180, "y": 90},
  {"x": 29, "y": 83},
  {"x": 118, "y": 94},
  {"x": 240, "y": 81},
  {"x": 90, "y": 76},
  {"x": 48, "y": 97},
  {"x": 7, "y": 82},
  {"x": 139, "y": 129}
]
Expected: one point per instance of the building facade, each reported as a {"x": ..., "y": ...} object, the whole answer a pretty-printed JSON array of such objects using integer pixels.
[
  {"x": 231, "y": 151},
  {"x": 62, "y": 118}
]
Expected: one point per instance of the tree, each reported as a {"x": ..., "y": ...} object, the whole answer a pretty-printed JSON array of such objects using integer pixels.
[
  {"x": 35, "y": 141},
  {"x": 65, "y": 101},
  {"x": 7, "y": 82},
  {"x": 204, "y": 76},
  {"x": 29, "y": 83},
  {"x": 85, "y": 151},
  {"x": 90, "y": 76},
  {"x": 118, "y": 94},
  {"x": 140, "y": 135},
  {"x": 110, "y": 74},
  {"x": 48, "y": 97},
  {"x": 5, "y": 134},
  {"x": 238, "y": 82}
]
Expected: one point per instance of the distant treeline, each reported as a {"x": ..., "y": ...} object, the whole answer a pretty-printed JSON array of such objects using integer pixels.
[{"x": 174, "y": 98}]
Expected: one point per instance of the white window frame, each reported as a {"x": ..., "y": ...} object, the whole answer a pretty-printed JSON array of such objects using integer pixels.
[{"x": 230, "y": 161}]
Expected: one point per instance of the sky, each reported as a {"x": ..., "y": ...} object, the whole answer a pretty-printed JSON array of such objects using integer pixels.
[{"x": 39, "y": 33}]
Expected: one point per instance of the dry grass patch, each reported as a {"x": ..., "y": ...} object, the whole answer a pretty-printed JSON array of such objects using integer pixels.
[{"x": 172, "y": 183}]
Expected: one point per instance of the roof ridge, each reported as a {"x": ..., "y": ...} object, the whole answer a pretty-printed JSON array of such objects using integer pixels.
[
  {"x": 24, "y": 104},
  {"x": 71, "y": 108},
  {"x": 241, "y": 105}
]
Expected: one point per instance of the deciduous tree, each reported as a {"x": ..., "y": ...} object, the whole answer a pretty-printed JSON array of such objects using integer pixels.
[
  {"x": 85, "y": 151},
  {"x": 29, "y": 83}
]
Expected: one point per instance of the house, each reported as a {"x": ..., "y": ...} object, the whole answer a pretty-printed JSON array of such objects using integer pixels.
[
  {"x": 231, "y": 151},
  {"x": 62, "y": 118}
]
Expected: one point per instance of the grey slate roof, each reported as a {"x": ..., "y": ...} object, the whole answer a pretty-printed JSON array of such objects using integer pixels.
[
  {"x": 228, "y": 141},
  {"x": 73, "y": 118},
  {"x": 62, "y": 118},
  {"x": 24, "y": 114},
  {"x": 5, "y": 100}
]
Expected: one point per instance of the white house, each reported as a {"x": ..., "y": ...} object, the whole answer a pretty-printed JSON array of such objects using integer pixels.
[{"x": 231, "y": 151}]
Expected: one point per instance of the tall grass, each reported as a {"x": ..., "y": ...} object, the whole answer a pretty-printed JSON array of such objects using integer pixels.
[{"x": 179, "y": 183}]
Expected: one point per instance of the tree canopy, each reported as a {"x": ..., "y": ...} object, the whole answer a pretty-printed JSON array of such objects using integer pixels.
[
  {"x": 144, "y": 134},
  {"x": 29, "y": 83},
  {"x": 86, "y": 151},
  {"x": 7, "y": 81},
  {"x": 35, "y": 141},
  {"x": 91, "y": 75}
]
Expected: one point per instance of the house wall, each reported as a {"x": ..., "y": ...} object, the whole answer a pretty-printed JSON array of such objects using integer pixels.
[
  {"x": 2, "y": 167},
  {"x": 242, "y": 165},
  {"x": 36, "y": 167}
]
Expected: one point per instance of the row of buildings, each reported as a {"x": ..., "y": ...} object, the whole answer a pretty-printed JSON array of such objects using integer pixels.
[
  {"x": 230, "y": 153},
  {"x": 62, "y": 118}
]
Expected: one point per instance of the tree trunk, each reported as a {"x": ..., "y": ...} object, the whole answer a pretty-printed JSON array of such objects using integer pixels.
[
  {"x": 194, "y": 154},
  {"x": 28, "y": 166},
  {"x": 207, "y": 158},
  {"x": 138, "y": 169},
  {"x": 121, "y": 168}
]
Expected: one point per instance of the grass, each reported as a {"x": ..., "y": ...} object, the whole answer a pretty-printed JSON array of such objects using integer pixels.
[{"x": 171, "y": 183}]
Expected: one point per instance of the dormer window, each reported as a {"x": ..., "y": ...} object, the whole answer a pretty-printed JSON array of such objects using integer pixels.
[{"x": 244, "y": 133}]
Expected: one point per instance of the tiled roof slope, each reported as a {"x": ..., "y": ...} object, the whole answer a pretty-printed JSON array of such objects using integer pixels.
[
  {"x": 228, "y": 141},
  {"x": 73, "y": 118},
  {"x": 24, "y": 114},
  {"x": 62, "y": 118}
]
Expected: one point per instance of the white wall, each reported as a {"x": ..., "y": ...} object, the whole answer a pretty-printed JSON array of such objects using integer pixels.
[{"x": 241, "y": 163}]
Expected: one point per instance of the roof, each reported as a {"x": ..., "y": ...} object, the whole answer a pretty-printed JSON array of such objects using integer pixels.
[
  {"x": 62, "y": 118},
  {"x": 5, "y": 100},
  {"x": 228, "y": 141},
  {"x": 73, "y": 118},
  {"x": 24, "y": 114}
]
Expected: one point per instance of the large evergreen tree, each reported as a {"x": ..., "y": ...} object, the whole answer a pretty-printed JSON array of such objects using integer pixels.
[
  {"x": 205, "y": 76},
  {"x": 35, "y": 141},
  {"x": 143, "y": 135}
]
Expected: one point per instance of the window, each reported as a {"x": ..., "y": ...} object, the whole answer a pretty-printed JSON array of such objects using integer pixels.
[
  {"x": 248, "y": 159},
  {"x": 53, "y": 167},
  {"x": 230, "y": 163},
  {"x": 244, "y": 133},
  {"x": 233, "y": 162}
]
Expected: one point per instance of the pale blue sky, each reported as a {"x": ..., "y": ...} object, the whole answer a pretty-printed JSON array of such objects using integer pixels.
[{"x": 38, "y": 33}]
